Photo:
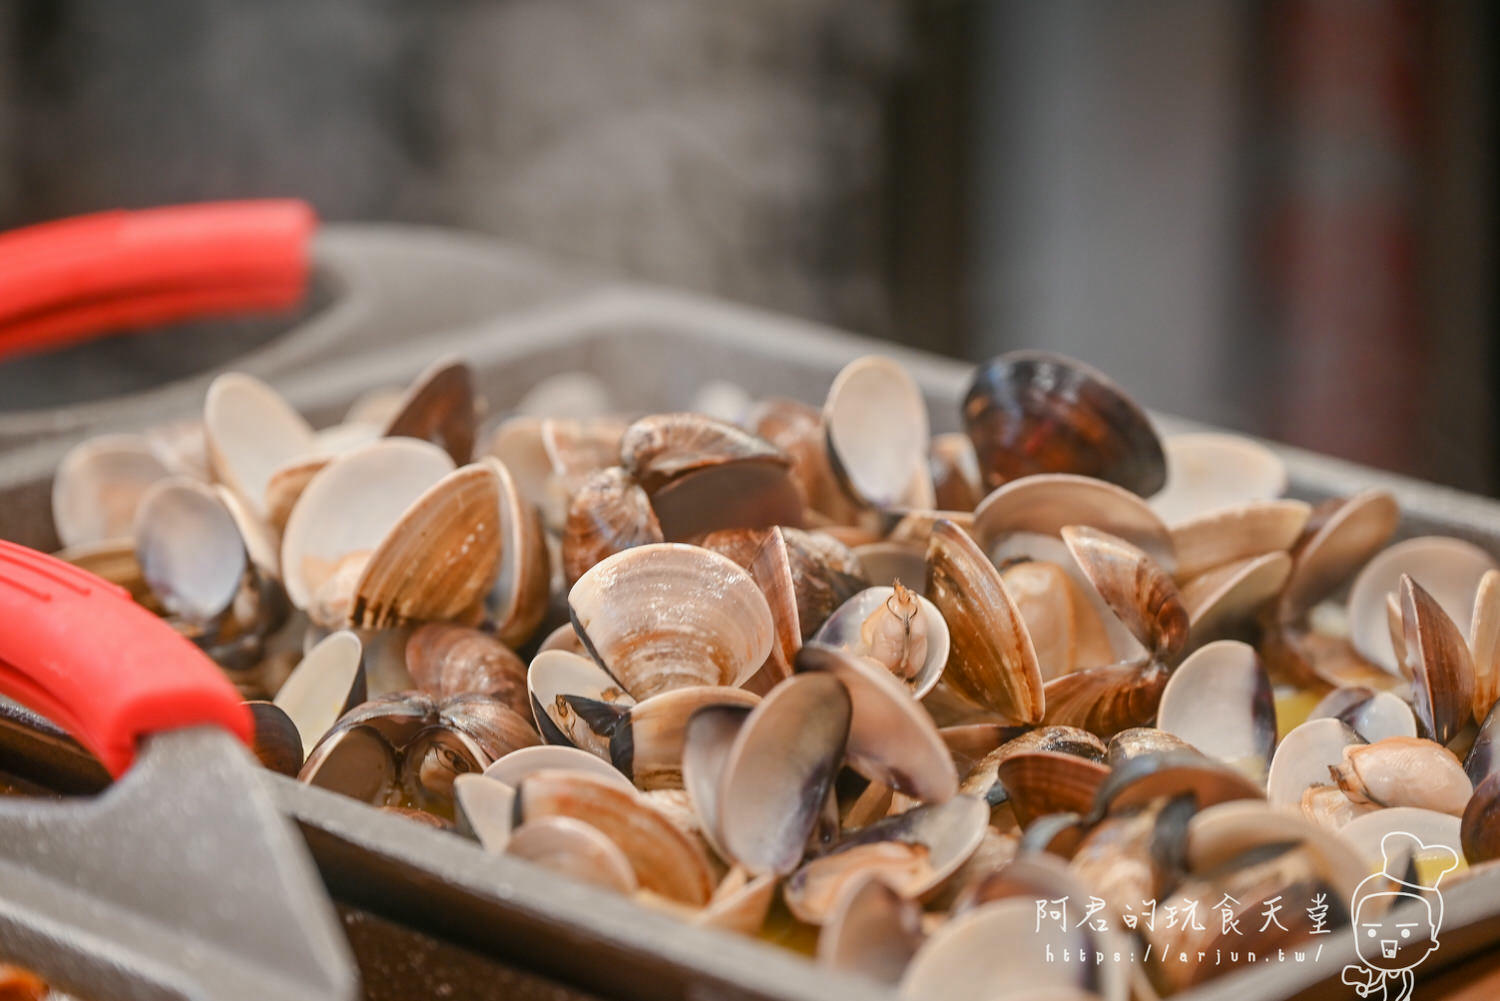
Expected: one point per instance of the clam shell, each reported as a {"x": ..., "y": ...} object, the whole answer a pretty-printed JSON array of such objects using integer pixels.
[
  {"x": 1065, "y": 628},
  {"x": 524, "y": 761},
  {"x": 1479, "y": 830},
  {"x": 556, "y": 681},
  {"x": 1169, "y": 775},
  {"x": 825, "y": 574},
  {"x": 99, "y": 485},
  {"x": 1448, "y": 569},
  {"x": 991, "y": 660},
  {"x": 190, "y": 550},
  {"x": 1237, "y": 533},
  {"x": 1210, "y": 472},
  {"x": 647, "y": 745},
  {"x": 1484, "y": 644},
  {"x": 740, "y": 903},
  {"x": 250, "y": 432},
  {"x": 1371, "y": 714},
  {"x": 328, "y": 682},
  {"x": 439, "y": 407},
  {"x": 1043, "y": 782},
  {"x": 779, "y": 770},
  {"x": 707, "y": 741},
  {"x": 657, "y": 449},
  {"x": 439, "y": 558},
  {"x": 891, "y": 738},
  {"x": 663, "y": 616},
  {"x": 1442, "y": 668},
  {"x": 1139, "y": 592},
  {"x": 876, "y": 422},
  {"x": 1304, "y": 757},
  {"x": 485, "y": 810},
  {"x": 608, "y": 514},
  {"x": 1230, "y": 595},
  {"x": 574, "y": 849},
  {"x": 1030, "y": 412},
  {"x": 276, "y": 743},
  {"x": 1435, "y": 831},
  {"x": 980, "y": 779},
  {"x": 284, "y": 488},
  {"x": 1221, "y": 834},
  {"x": 843, "y": 629},
  {"x": 445, "y": 659},
  {"x": 1219, "y": 700},
  {"x": 796, "y": 428},
  {"x": 885, "y": 561},
  {"x": 666, "y": 860},
  {"x": 955, "y": 472},
  {"x": 1338, "y": 541},
  {"x": 872, "y": 931},
  {"x": 517, "y": 600},
  {"x": 350, "y": 507},
  {"x": 1105, "y": 700},
  {"x": 1141, "y": 740},
  {"x": 517, "y": 445},
  {"x": 1044, "y": 504}
]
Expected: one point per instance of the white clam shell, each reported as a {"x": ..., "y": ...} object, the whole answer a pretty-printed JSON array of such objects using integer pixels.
[
  {"x": 1210, "y": 471},
  {"x": 250, "y": 433},
  {"x": 99, "y": 486}
]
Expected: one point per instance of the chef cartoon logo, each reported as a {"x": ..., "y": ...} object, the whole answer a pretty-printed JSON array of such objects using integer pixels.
[{"x": 1395, "y": 920}]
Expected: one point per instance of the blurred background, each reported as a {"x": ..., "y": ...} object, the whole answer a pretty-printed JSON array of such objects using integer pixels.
[{"x": 1276, "y": 215}]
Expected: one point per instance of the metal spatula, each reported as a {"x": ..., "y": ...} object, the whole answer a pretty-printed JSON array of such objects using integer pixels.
[{"x": 182, "y": 874}]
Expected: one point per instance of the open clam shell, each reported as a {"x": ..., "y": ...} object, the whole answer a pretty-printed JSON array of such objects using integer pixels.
[
  {"x": 1210, "y": 472},
  {"x": 565, "y": 688},
  {"x": 1236, "y": 533},
  {"x": 876, "y": 422},
  {"x": 647, "y": 744},
  {"x": 190, "y": 550},
  {"x": 572, "y": 848},
  {"x": 778, "y": 771},
  {"x": 446, "y": 659},
  {"x": 250, "y": 432},
  {"x": 1168, "y": 775},
  {"x": 1442, "y": 668},
  {"x": 485, "y": 810},
  {"x": 1340, "y": 537},
  {"x": 518, "y": 764},
  {"x": 1138, "y": 591},
  {"x": 1484, "y": 644},
  {"x": 1374, "y": 715},
  {"x": 665, "y": 859},
  {"x": 872, "y": 930},
  {"x": 925, "y": 631},
  {"x": 1479, "y": 829},
  {"x": 1045, "y": 503},
  {"x": 1229, "y": 831},
  {"x": 1105, "y": 700},
  {"x": 439, "y": 407},
  {"x": 328, "y": 682},
  {"x": 518, "y": 597},
  {"x": 892, "y": 739},
  {"x": 1031, "y": 412},
  {"x": 991, "y": 660},
  {"x": 1041, "y": 782},
  {"x": 1228, "y": 596},
  {"x": 707, "y": 741},
  {"x": 1434, "y": 831},
  {"x": 1064, "y": 621},
  {"x": 351, "y": 505},
  {"x": 1304, "y": 757},
  {"x": 1219, "y": 700},
  {"x": 668, "y": 615},
  {"x": 609, "y": 513},
  {"x": 99, "y": 485},
  {"x": 1448, "y": 569}
]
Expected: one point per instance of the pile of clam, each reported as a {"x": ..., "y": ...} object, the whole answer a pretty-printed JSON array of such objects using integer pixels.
[{"x": 819, "y": 675}]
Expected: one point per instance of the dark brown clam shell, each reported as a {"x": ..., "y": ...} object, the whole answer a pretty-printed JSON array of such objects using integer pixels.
[
  {"x": 440, "y": 408},
  {"x": 1032, "y": 412},
  {"x": 608, "y": 513},
  {"x": 1442, "y": 668},
  {"x": 1480, "y": 830},
  {"x": 277, "y": 744},
  {"x": 658, "y": 449}
]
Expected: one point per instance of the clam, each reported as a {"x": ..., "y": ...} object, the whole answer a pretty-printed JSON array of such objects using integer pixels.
[
  {"x": 1232, "y": 534},
  {"x": 1141, "y": 740},
  {"x": 956, "y": 482},
  {"x": 707, "y": 740},
  {"x": 991, "y": 660},
  {"x": 1371, "y": 714},
  {"x": 1107, "y": 699},
  {"x": 876, "y": 422},
  {"x": 646, "y": 742},
  {"x": 1484, "y": 644},
  {"x": 250, "y": 432},
  {"x": 1228, "y": 596},
  {"x": 276, "y": 743},
  {"x": 1219, "y": 700},
  {"x": 872, "y": 930},
  {"x": 344, "y": 512},
  {"x": 1304, "y": 758},
  {"x": 1212, "y": 472},
  {"x": 1168, "y": 775},
  {"x": 892, "y": 739},
  {"x": 1138, "y": 591},
  {"x": 1044, "y": 782},
  {"x": 574, "y": 849},
  {"x": 1404, "y": 771},
  {"x": 825, "y": 574},
  {"x": 607, "y": 514},
  {"x": 518, "y": 597},
  {"x": 1442, "y": 668},
  {"x": 1448, "y": 569},
  {"x": 777, "y": 773},
  {"x": 328, "y": 682},
  {"x": 982, "y": 779},
  {"x": 667, "y": 615},
  {"x": 407, "y": 748},
  {"x": 703, "y": 474},
  {"x": 445, "y": 659},
  {"x": 1340, "y": 537},
  {"x": 571, "y": 695},
  {"x": 1483, "y": 759},
  {"x": 897, "y": 628},
  {"x": 914, "y": 852},
  {"x": 1479, "y": 830},
  {"x": 1067, "y": 632},
  {"x": 796, "y": 428},
  {"x": 1030, "y": 412},
  {"x": 1435, "y": 835},
  {"x": 99, "y": 485},
  {"x": 740, "y": 902},
  {"x": 1220, "y": 834},
  {"x": 1042, "y": 505},
  {"x": 484, "y": 810},
  {"x": 665, "y": 860},
  {"x": 515, "y": 766},
  {"x": 285, "y": 488},
  {"x": 439, "y": 407},
  {"x": 190, "y": 551}
]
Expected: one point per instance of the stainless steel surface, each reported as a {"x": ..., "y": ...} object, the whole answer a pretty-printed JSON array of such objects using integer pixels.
[
  {"x": 655, "y": 348},
  {"x": 182, "y": 881}
]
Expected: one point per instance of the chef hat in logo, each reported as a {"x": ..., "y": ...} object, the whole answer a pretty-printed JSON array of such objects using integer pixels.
[{"x": 1413, "y": 867}]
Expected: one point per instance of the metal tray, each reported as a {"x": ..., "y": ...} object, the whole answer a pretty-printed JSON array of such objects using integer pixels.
[{"x": 655, "y": 348}]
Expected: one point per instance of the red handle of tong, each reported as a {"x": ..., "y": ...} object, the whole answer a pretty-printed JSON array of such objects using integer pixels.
[
  {"x": 76, "y": 279},
  {"x": 78, "y": 650}
]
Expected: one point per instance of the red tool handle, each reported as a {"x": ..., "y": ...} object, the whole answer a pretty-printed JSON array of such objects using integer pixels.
[
  {"x": 72, "y": 280},
  {"x": 76, "y": 649}
]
